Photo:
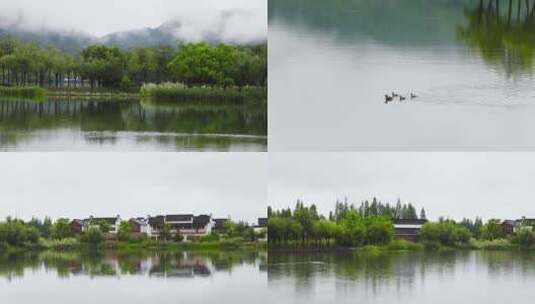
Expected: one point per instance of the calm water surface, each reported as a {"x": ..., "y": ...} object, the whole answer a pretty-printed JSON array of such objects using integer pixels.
[
  {"x": 331, "y": 62},
  {"x": 77, "y": 125},
  {"x": 134, "y": 278},
  {"x": 454, "y": 277}
]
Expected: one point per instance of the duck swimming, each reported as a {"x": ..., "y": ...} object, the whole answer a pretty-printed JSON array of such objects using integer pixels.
[
  {"x": 401, "y": 97},
  {"x": 413, "y": 95},
  {"x": 388, "y": 98}
]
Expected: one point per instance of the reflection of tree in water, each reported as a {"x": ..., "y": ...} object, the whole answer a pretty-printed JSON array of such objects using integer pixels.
[
  {"x": 505, "y": 262},
  {"x": 113, "y": 263},
  {"x": 370, "y": 271},
  {"x": 93, "y": 117},
  {"x": 502, "y": 34}
]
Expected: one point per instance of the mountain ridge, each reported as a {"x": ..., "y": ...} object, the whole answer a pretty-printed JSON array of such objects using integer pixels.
[{"x": 169, "y": 32}]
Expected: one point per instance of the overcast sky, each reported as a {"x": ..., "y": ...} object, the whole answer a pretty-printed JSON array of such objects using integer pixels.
[
  {"x": 101, "y": 17},
  {"x": 455, "y": 185},
  {"x": 77, "y": 185}
]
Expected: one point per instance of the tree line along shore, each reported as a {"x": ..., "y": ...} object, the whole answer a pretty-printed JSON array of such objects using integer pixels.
[
  {"x": 190, "y": 71},
  {"x": 17, "y": 235},
  {"x": 377, "y": 226}
]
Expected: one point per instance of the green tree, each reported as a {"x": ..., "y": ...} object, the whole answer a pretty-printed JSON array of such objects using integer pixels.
[
  {"x": 446, "y": 233},
  {"x": 125, "y": 231},
  {"x": 103, "y": 65},
  {"x": 422, "y": 214},
  {"x": 353, "y": 230},
  {"x": 379, "y": 230},
  {"x": 165, "y": 232},
  {"x": 325, "y": 230},
  {"x": 492, "y": 230},
  {"x": 229, "y": 227},
  {"x": 16, "y": 233},
  {"x": 94, "y": 235},
  {"x": 523, "y": 237},
  {"x": 61, "y": 229},
  {"x": 178, "y": 237},
  {"x": 104, "y": 226}
]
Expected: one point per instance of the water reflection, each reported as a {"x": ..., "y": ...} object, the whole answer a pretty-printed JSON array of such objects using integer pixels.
[
  {"x": 333, "y": 61},
  {"x": 147, "y": 264},
  {"x": 64, "y": 123},
  {"x": 347, "y": 276},
  {"x": 502, "y": 34}
]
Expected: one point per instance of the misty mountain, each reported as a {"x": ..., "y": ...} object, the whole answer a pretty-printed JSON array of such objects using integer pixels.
[
  {"x": 68, "y": 42},
  {"x": 172, "y": 32}
]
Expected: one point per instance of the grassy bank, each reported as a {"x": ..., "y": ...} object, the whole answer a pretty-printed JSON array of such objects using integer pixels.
[
  {"x": 179, "y": 93},
  {"x": 22, "y": 92},
  {"x": 229, "y": 244},
  {"x": 73, "y": 244},
  {"x": 100, "y": 93},
  {"x": 172, "y": 93},
  {"x": 403, "y": 245}
]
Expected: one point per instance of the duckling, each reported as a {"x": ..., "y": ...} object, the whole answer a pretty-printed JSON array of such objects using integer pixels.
[
  {"x": 388, "y": 98},
  {"x": 413, "y": 95},
  {"x": 394, "y": 94},
  {"x": 401, "y": 97}
]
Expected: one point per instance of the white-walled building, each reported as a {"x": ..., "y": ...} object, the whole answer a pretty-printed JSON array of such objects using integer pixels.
[
  {"x": 114, "y": 222},
  {"x": 185, "y": 224}
]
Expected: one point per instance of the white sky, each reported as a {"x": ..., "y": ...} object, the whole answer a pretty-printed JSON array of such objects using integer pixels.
[
  {"x": 101, "y": 17},
  {"x": 77, "y": 185},
  {"x": 455, "y": 185}
]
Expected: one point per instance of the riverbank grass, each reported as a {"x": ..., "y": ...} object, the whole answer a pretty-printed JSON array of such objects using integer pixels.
[
  {"x": 74, "y": 244},
  {"x": 180, "y": 93},
  {"x": 22, "y": 92}
]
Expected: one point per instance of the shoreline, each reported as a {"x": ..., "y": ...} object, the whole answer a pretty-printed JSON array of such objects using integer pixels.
[
  {"x": 125, "y": 247},
  {"x": 403, "y": 247},
  {"x": 184, "y": 95}
]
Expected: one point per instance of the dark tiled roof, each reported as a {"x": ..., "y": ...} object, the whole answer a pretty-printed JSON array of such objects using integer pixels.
[
  {"x": 262, "y": 222},
  {"x": 528, "y": 221},
  {"x": 137, "y": 221},
  {"x": 156, "y": 220},
  {"x": 201, "y": 221},
  {"x": 77, "y": 222},
  {"x": 109, "y": 220},
  {"x": 219, "y": 222},
  {"x": 178, "y": 217},
  {"x": 409, "y": 222},
  {"x": 509, "y": 222}
]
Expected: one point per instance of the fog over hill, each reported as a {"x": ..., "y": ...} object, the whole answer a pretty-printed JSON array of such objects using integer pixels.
[{"x": 225, "y": 27}]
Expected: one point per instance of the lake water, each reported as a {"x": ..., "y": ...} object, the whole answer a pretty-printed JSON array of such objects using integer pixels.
[
  {"x": 332, "y": 62},
  {"x": 448, "y": 277},
  {"x": 134, "y": 278},
  {"x": 81, "y": 125}
]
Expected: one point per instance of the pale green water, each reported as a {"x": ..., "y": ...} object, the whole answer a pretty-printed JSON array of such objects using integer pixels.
[
  {"x": 74, "y": 125},
  {"x": 332, "y": 62},
  {"x": 134, "y": 278},
  {"x": 447, "y": 277}
]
